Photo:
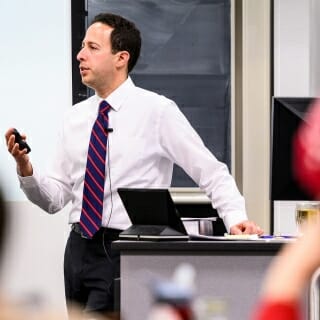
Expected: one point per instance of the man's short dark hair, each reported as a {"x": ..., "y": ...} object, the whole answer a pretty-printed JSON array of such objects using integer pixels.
[{"x": 124, "y": 36}]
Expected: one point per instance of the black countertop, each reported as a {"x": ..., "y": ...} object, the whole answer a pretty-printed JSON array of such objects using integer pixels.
[{"x": 217, "y": 247}]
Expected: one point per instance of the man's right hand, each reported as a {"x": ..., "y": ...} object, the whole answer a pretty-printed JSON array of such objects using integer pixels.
[{"x": 24, "y": 166}]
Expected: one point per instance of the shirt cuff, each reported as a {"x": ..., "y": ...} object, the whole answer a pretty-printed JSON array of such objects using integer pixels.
[
  {"x": 29, "y": 181},
  {"x": 233, "y": 218}
]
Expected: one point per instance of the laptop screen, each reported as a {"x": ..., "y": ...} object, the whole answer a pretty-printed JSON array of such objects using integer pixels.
[{"x": 151, "y": 207}]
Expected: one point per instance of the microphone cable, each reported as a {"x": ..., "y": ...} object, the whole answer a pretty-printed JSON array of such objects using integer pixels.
[
  {"x": 111, "y": 200},
  {"x": 110, "y": 183}
]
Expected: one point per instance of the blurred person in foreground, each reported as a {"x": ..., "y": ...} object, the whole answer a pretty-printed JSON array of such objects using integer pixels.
[
  {"x": 13, "y": 310},
  {"x": 306, "y": 152},
  {"x": 288, "y": 277},
  {"x": 292, "y": 269}
]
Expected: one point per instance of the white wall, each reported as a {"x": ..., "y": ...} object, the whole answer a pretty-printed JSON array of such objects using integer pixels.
[
  {"x": 255, "y": 95},
  {"x": 35, "y": 84},
  {"x": 296, "y": 48},
  {"x": 315, "y": 48},
  {"x": 292, "y": 47}
]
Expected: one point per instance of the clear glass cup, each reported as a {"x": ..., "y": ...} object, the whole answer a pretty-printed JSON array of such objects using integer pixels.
[{"x": 306, "y": 212}]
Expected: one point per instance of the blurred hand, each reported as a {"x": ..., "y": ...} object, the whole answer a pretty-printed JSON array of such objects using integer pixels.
[{"x": 291, "y": 270}]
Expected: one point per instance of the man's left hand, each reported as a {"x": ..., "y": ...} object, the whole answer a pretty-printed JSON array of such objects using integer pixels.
[{"x": 246, "y": 227}]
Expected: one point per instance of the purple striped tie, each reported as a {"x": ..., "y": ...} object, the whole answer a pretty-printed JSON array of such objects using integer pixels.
[{"x": 93, "y": 190}]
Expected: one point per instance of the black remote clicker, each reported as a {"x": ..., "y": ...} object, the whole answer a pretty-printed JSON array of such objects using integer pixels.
[{"x": 18, "y": 139}]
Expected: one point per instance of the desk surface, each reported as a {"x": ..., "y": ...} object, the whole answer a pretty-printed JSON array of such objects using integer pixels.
[{"x": 256, "y": 247}]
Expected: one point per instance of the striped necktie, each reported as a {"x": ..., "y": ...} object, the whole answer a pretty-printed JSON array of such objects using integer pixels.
[{"x": 93, "y": 190}]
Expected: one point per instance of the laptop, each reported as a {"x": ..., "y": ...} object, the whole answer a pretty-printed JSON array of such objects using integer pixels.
[{"x": 153, "y": 215}]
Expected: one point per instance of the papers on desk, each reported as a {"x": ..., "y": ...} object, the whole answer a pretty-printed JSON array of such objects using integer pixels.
[
  {"x": 223, "y": 238},
  {"x": 243, "y": 237}
]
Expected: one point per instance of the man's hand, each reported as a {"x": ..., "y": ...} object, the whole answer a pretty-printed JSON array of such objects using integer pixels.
[
  {"x": 24, "y": 166},
  {"x": 246, "y": 227}
]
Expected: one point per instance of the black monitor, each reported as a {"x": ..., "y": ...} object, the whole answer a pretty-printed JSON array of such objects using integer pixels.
[{"x": 287, "y": 114}]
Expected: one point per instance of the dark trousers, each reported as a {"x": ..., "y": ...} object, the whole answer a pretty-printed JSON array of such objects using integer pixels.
[{"x": 90, "y": 267}]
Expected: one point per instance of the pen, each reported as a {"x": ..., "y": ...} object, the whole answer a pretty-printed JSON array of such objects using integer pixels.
[
  {"x": 288, "y": 236},
  {"x": 277, "y": 237},
  {"x": 266, "y": 237}
]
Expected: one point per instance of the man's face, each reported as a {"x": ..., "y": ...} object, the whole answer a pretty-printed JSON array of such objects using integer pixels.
[{"x": 97, "y": 62}]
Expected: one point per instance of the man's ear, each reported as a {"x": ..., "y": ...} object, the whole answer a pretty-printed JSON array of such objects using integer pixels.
[{"x": 123, "y": 59}]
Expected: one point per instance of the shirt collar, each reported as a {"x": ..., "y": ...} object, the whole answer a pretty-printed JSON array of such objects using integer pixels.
[{"x": 118, "y": 96}]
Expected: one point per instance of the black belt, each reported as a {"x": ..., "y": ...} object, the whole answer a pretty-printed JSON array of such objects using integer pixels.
[{"x": 107, "y": 233}]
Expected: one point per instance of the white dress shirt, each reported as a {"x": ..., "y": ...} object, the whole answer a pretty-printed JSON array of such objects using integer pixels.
[{"x": 150, "y": 133}]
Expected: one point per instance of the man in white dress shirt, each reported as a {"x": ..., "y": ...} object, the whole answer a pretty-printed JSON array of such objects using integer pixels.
[{"x": 149, "y": 135}]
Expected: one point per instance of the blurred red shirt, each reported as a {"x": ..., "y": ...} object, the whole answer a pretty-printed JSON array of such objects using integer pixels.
[
  {"x": 306, "y": 152},
  {"x": 281, "y": 310}
]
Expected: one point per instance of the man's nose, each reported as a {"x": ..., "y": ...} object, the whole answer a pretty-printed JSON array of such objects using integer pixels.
[{"x": 80, "y": 55}]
